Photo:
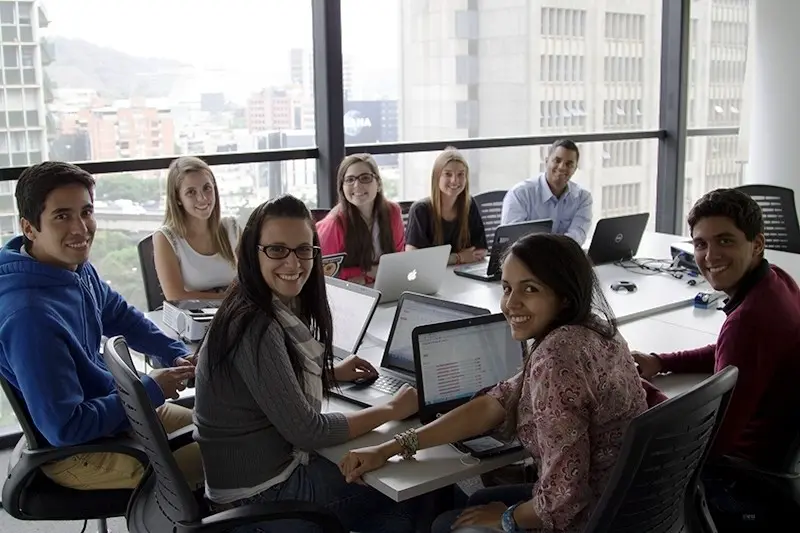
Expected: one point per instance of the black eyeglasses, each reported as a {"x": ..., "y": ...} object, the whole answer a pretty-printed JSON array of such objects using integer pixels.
[
  {"x": 364, "y": 179},
  {"x": 304, "y": 252}
]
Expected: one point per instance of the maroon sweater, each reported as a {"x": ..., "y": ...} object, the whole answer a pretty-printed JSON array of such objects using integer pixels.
[{"x": 761, "y": 337}]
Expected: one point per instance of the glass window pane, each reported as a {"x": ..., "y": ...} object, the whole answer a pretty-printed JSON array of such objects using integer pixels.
[
  {"x": 125, "y": 96},
  {"x": 719, "y": 87},
  {"x": 432, "y": 66}
]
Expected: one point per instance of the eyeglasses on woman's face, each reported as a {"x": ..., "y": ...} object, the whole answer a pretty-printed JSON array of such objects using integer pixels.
[
  {"x": 304, "y": 252},
  {"x": 365, "y": 179}
]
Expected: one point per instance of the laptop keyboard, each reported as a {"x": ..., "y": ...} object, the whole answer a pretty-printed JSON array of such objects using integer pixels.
[
  {"x": 388, "y": 384},
  {"x": 476, "y": 268}
]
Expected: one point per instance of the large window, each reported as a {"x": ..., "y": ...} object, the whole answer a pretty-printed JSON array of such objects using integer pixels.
[
  {"x": 719, "y": 40},
  {"x": 416, "y": 70}
]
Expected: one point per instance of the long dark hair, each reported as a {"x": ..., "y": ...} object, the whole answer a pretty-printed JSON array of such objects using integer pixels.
[
  {"x": 560, "y": 264},
  {"x": 358, "y": 242},
  {"x": 249, "y": 296}
]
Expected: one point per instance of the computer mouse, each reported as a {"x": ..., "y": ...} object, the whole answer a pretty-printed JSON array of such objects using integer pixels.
[{"x": 624, "y": 286}]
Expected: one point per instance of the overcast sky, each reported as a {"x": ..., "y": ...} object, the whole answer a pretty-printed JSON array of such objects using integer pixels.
[{"x": 239, "y": 35}]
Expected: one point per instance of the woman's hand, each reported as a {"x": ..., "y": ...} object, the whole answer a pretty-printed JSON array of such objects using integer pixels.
[
  {"x": 353, "y": 368},
  {"x": 471, "y": 255},
  {"x": 358, "y": 462},
  {"x": 490, "y": 515},
  {"x": 404, "y": 403}
]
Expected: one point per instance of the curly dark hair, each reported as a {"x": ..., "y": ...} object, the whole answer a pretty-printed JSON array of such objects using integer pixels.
[{"x": 733, "y": 204}]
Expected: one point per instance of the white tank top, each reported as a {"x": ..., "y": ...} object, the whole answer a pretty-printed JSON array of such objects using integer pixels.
[{"x": 204, "y": 272}]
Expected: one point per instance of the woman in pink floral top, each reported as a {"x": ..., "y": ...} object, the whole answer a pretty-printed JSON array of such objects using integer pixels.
[{"x": 569, "y": 406}]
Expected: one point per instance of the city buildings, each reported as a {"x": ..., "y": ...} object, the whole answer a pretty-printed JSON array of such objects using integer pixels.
[
  {"x": 556, "y": 67},
  {"x": 24, "y": 91}
]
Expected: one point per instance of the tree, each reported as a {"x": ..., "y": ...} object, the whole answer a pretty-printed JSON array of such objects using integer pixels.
[
  {"x": 116, "y": 257},
  {"x": 128, "y": 187}
]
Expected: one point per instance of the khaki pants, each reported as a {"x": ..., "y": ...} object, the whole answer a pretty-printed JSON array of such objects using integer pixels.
[{"x": 92, "y": 471}]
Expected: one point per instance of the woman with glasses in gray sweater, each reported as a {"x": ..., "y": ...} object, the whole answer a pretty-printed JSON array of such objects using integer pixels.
[{"x": 262, "y": 373}]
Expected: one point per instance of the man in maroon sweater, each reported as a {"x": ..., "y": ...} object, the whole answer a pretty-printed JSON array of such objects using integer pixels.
[{"x": 760, "y": 336}]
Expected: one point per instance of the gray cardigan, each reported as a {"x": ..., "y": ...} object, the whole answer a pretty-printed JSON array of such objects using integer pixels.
[{"x": 250, "y": 419}]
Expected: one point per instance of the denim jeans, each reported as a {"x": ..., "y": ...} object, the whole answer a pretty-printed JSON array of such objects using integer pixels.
[
  {"x": 508, "y": 494},
  {"x": 358, "y": 507}
]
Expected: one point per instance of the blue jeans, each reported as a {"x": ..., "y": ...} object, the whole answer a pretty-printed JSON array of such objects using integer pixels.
[
  {"x": 508, "y": 494},
  {"x": 358, "y": 507}
]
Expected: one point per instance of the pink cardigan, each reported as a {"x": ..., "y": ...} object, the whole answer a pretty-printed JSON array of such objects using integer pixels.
[{"x": 332, "y": 233}]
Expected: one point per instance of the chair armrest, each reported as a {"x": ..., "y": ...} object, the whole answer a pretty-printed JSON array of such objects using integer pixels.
[
  {"x": 266, "y": 512},
  {"x": 180, "y": 438},
  {"x": 123, "y": 445}
]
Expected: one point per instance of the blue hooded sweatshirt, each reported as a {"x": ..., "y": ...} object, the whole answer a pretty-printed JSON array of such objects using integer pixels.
[{"x": 51, "y": 323}]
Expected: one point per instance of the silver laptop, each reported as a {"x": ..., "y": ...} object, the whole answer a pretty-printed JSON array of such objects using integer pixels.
[
  {"x": 421, "y": 271},
  {"x": 352, "y": 307},
  {"x": 397, "y": 364}
]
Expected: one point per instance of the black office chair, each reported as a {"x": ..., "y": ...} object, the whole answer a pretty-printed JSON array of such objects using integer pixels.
[
  {"x": 405, "y": 208},
  {"x": 163, "y": 501},
  {"x": 152, "y": 287},
  {"x": 28, "y": 494},
  {"x": 781, "y": 486},
  {"x": 781, "y": 227},
  {"x": 490, "y": 204},
  {"x": 654, "y": 485},
  {"x": 319, "y": 213}
]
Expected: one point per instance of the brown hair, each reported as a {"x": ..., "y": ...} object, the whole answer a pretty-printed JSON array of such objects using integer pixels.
[
  {"x": 358, "y": 241},
  {"x": 175, "y": 216},
  {"x": 463, "y": 201}
]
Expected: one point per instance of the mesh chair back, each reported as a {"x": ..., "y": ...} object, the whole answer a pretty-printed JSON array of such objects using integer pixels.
[
  {"x": 32, "y": 435},
  {"x": 152, "y": 288},
  {"x": 405, "y": 207},
  {"x": 319, "y": 214},
  {"x": 169, "y": 499},
  {"x": 653, "y": 486},
  {"x": 490, "y": 204},
  {"x": 781, "y": 227}
]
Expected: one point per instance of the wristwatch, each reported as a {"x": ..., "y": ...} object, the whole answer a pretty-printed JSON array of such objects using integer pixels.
[{"x": 508, "y": 522}]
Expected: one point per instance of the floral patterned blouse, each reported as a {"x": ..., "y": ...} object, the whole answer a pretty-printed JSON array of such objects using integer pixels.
[{"x": 579, "y": 395}]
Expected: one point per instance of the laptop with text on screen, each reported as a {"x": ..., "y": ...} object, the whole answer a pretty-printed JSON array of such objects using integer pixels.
[
  {"x": 421, "y": 271},
  {"x": 352, "y": 306},
  {"x": 397, "y": 364},
  {"x": 504, "y": 237},
  {"x": 617, "y": 238},
  {"x": 456, "y": 360}
]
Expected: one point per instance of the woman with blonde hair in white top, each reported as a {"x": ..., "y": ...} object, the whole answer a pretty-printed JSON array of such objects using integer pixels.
[{"x": 194, "y": 249}]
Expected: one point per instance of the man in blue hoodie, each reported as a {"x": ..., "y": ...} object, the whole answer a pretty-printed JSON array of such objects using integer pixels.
[{"x": 54, "y": 308}]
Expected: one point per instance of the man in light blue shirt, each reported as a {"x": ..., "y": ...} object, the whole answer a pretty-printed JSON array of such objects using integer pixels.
[{"x": 550, "y": 195}]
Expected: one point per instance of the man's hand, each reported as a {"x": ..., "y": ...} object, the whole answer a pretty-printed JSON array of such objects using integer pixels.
[
  {"x": 172, "y": 380},
  {"x": 649, "y": 365},
  {"x": 189, "y": 360}
]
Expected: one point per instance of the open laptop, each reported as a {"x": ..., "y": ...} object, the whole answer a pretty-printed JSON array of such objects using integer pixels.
[
  {"x": 421, "y": 271},
  {"x": 455, "y": 360},
  {"x": 397, "y": 364},
  {"x": 352, "y": 306},
  {"x": 618, "y": 238},
  {"x": 504, "y": 237}
]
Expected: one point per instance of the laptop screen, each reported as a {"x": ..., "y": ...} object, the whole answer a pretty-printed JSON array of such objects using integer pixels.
[
  {"x": 350, "y": 311},
  {"x": 413, "y": 313},
  {"x": 457, "y": 363}
]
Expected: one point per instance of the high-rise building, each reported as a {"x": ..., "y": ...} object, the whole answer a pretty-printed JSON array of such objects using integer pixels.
[
  {"x": 555, "y": 67},
  {"x": 24, "y": 91}
]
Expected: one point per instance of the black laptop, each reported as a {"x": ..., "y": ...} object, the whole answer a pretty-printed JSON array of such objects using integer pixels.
[
  {"x": 397, "y": 364},
  {"x": 618, "y": 238},
  {"x": 457, "y": 359},
  {"x": 504, "y": 237}
]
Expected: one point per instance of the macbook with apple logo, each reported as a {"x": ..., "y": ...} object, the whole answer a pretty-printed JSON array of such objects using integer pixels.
[{"x": 421, "y": 271}]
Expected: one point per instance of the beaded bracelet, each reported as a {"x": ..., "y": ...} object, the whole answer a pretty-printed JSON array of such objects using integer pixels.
[{"x": 409, "y": 443}]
